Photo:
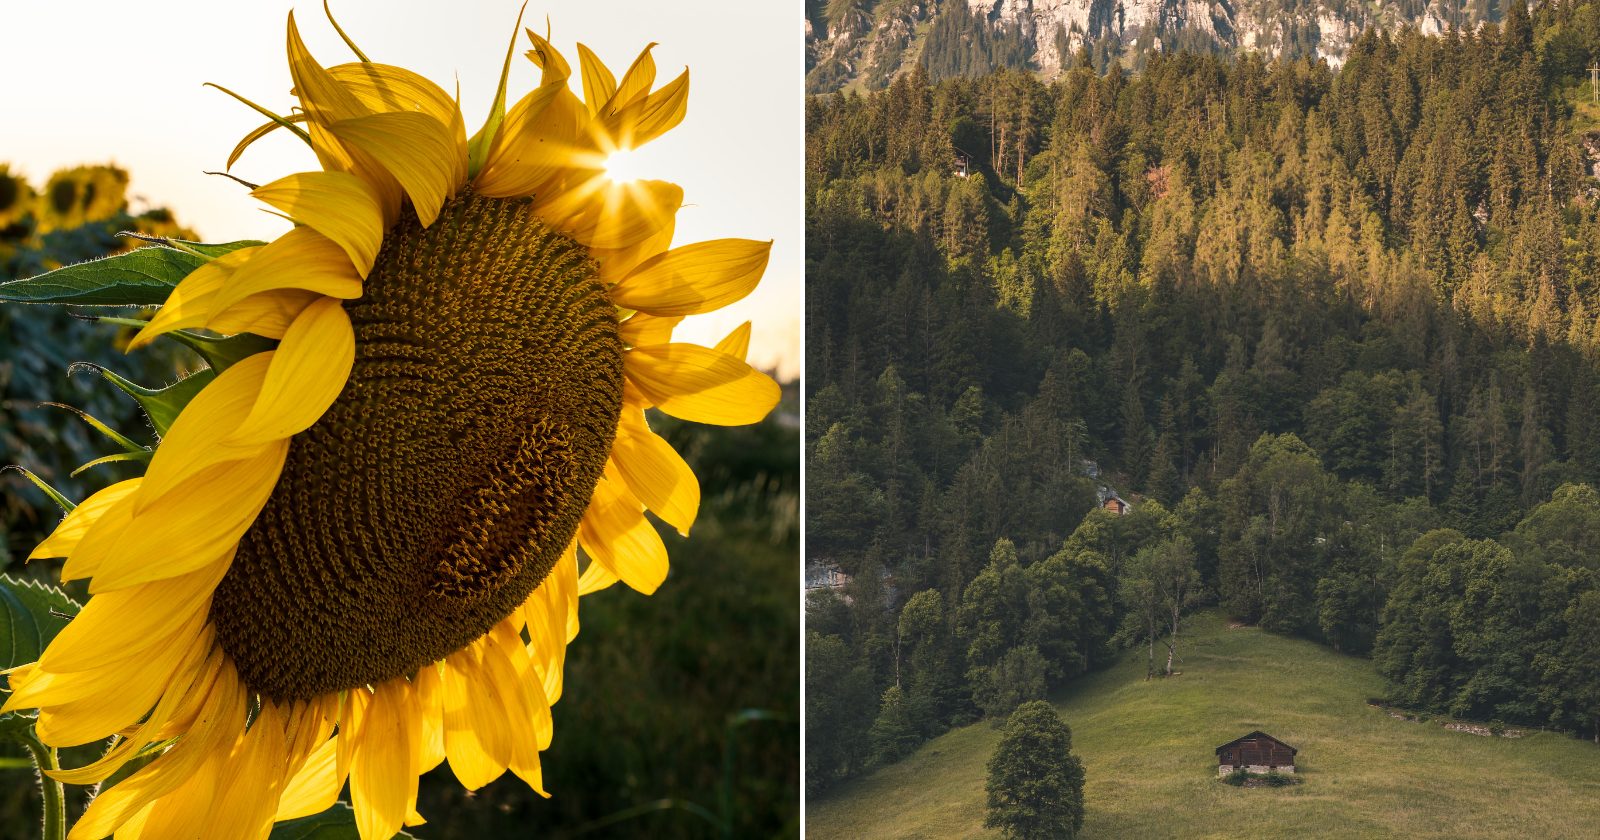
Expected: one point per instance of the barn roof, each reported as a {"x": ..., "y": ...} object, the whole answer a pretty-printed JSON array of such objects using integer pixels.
[{"x": 1252, "y": 735}]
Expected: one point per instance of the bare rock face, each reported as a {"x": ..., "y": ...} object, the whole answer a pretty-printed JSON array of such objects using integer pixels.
[{"x": 886, "y": 37}]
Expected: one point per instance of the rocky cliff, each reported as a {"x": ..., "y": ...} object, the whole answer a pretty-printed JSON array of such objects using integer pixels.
[{"x": 865, "y": 43}]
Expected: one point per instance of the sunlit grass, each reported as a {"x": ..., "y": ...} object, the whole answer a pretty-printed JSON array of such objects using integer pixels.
[{"x": 1147, "y": 751}]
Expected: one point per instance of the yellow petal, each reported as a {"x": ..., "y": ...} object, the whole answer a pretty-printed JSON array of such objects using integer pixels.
[
  {"x": 418, "y": 150},
  {"x": 307, "y": 372},
  {"x": 190, "y": 303},
  {"x": 695, "y": 278},
  {"x": 637, "y": 81},
  {"x": 385, "y": 88},
  {"x": 595, "y": 578},
  {"x": 535, "y": 145},
  {"x": 598, "y": 83},
  {"x": 655, "y": 473},
  {"x": 700, "y": 384},
  {"x": 736, "y": 343},
  {"x": 324, "y": 99},
  {"x": 632, "y": 397},
  {"x": 352, "y": 717},
  {"x": 70, "y": 532},
  {"x": 182, "y": 812},
  {"x": 314, "y": 788},
  {"x": 119, "y": 624},
  {"x": 80, "y": 707},
  {"x": 383, "y": 771},
  {"x": 644, "y": 329},
  {"x": 527, "y": 710},
  {"x": 430, "y": 705},
  {"x": 214, "y": 732},
  {"x": 196, "y": 439},
  {"x": 648, "y": 118},
  {"x": 196, "y": 524},
  {"x": 300, "y": 259},
  {"x": 338, "y": 205},
  {"x": 614, "y": 532},
  {"x": 603, "y": 214},
  {"x": 177, "y": 704},
  {"x": 82, "y": 563},
  {"x": 252, "y": 779},
  {"x": 133, "y": 828},
  {"x": 477, "y": 737},
  {"x": 551, "y": 614},
  {"x": 268, "y": 314},
  {"x": 336, "y": 157},
  {"x": 548, "y": 58},
  {"x": 616, "y": 263}
]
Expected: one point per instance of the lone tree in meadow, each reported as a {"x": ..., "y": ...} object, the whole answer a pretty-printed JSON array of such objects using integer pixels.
[{"x": 1035, "y": 782}]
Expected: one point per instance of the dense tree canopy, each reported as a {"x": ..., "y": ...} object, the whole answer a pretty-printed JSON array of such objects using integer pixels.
[{"x": 1301, "y": 317}]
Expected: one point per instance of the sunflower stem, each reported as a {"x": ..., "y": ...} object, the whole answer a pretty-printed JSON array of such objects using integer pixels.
[{"x": 55, "y": 799}]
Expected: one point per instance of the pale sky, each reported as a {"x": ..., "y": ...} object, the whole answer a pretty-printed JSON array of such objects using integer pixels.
[{"x": 96, "y": 81}]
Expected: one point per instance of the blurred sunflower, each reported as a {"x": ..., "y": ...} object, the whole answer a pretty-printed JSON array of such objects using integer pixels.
[
  {"x": 356, "y": 555},
  {"x": 16, "y": 197}
]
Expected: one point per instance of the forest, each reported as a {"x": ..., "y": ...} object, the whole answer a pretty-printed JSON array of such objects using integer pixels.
[{"x": 1332, "y": 332}]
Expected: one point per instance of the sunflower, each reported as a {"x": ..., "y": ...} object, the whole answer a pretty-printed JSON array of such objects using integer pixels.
[
  {"x": 355, "y": 552},
  {"x": 16, "y": 198}
]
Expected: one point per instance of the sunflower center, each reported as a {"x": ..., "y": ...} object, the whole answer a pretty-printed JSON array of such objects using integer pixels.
[{"x": 448, "y": 477}]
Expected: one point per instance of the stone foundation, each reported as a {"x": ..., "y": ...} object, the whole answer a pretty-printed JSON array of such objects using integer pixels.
[{"x": 1259, "y": 769}]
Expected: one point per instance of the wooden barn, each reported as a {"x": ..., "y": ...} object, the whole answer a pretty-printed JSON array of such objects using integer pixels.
[{"x": 1257, "y": 752}]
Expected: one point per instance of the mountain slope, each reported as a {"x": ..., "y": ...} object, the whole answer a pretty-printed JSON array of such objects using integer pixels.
[
  {"x": 1147, "y": 752},
  {"x": 866, "y": 43}
]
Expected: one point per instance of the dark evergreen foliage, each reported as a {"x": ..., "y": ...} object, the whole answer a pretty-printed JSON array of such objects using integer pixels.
[{"x": 1301, "y": 317}]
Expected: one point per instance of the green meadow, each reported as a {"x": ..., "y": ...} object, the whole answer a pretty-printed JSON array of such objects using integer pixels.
[{"x": 1147, "y": 749}]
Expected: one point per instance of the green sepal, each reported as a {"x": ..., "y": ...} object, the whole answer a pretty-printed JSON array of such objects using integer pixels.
[
  {"x": 161, "y": 405},
  {"x": 218, "y": 351},
  {"x": 478, "y": 146},
  {"x": 31, "y": 614},
  {"x": 141, "y": 277},
  {"x": 110, "y": 459},
  {"x": 223, "y": 352},
  {"x": 217, "y": 249},
  {"x": 339, "y": 29},
  {"x": 61, "y": 501},
  {"x": 336, "y": 823},
  {"x": 129, "y": 446}
]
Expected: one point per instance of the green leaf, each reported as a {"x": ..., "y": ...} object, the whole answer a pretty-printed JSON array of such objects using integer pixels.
[
  {"x": 142, "y": 277},
  {"x": 336, "y": 823},
  {"x": 31, "y": 614},
  {"x": 162, "y": 405}
]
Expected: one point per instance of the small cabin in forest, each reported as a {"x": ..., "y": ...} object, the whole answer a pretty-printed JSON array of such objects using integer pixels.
[
  {"x": 1116, "y": 505},
  {"x": 963, "y": 164},
  {"x": 1257, "y": 752}
]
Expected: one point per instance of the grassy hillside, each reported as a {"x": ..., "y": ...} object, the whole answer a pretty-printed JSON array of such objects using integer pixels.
[{"x": 1147, "y": 751}]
